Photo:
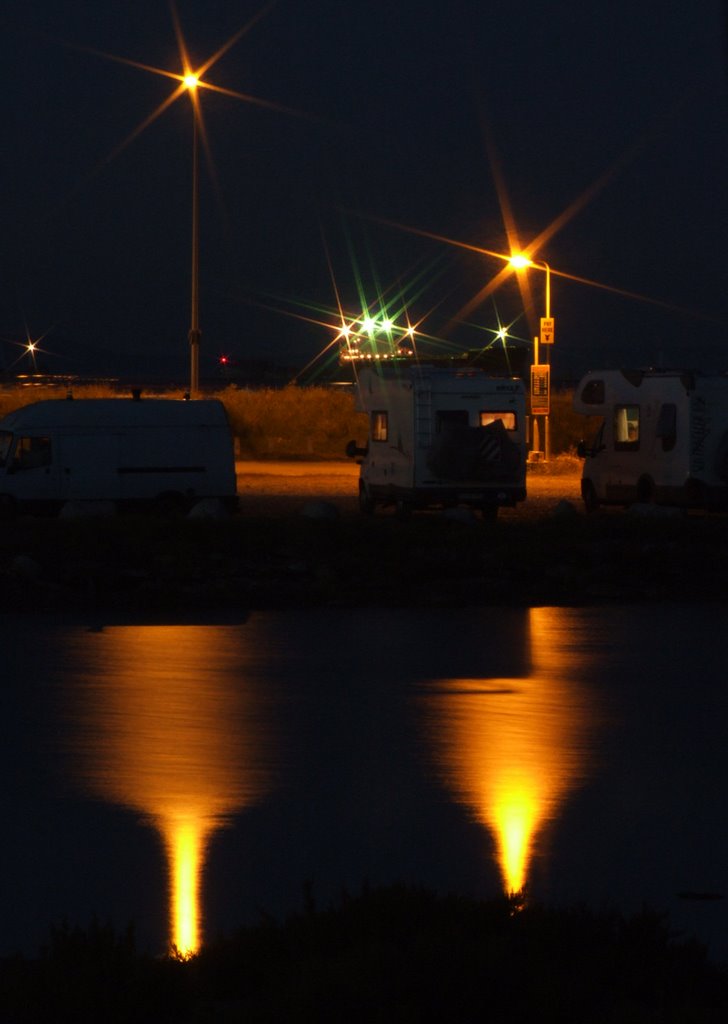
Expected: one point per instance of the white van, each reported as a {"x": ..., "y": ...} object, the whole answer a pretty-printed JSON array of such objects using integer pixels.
[
  {"x": 128, "y": 451},
  {"x": 440, "y": 436},
  {"x": 662, "y": 438}
]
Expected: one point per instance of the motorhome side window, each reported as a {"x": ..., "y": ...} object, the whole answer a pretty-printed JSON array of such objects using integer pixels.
[
  {"x": 380, "y": 426},
  {"x": 626, "y": 427},
  {"x": 667, "y": 426},
  {"x": 31, "y": 453},
  {"x": 508, "y": 419}
]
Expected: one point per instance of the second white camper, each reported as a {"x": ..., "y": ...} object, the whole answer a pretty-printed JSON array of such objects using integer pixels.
[
  {"x": 662, "y": 438},
  {"x": 440, "y": 436}
]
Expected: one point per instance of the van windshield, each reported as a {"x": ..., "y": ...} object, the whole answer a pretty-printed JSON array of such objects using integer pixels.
[{"x": 6, "y": 439}]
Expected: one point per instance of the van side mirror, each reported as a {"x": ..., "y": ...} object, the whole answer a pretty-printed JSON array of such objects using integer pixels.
[{"x": 586, "y": 451}]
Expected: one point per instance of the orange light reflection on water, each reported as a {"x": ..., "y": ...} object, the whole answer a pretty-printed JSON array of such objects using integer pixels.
[
  {"x": 512, "y": 749},
  {"x": 171, "y": 726}
]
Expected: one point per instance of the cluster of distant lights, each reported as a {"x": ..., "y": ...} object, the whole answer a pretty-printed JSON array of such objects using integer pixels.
[{"x": 371, "y": 331}]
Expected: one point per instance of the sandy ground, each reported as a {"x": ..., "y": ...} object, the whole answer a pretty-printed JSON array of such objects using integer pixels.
[{"x": 280, "y": 488}]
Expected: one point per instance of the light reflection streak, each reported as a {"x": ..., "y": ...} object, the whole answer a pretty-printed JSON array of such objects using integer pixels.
[
  {"x": 512, "y": 749},
  {"x": 173, "y": 728}
]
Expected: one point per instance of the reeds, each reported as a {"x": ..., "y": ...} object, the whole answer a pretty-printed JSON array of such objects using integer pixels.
[{"x": 295, "y": 422}]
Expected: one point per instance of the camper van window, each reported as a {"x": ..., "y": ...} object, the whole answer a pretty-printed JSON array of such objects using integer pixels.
[
  {"x": 626, "y": 428},
  {"x": 449, "y": 419},
  {"x": 508, "y": 419},
  {"x": 380, "y": 426},
  {"x": 32, "y": 453},
  {"x": 6, "y": 439},
  {"x": 667, "y": 426}
]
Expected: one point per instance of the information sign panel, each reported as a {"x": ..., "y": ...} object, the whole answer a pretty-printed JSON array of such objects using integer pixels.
[{"x": 540, "y": 390}]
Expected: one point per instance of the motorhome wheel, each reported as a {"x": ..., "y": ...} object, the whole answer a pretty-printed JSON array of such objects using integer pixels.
[
  {"x": 645, "y": 491},
  {"x": 366, "y": 502},
  {"x": 589, "y": 496},
  {"x": 403, "y": 509}
]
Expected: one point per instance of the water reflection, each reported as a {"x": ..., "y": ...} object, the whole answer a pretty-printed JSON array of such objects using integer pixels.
[
  {"x": 171, "y": 725},
  {"x": 512, "y": 749}
]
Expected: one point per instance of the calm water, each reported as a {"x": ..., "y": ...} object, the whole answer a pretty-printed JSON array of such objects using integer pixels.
[{"x": 189, "y": 777}]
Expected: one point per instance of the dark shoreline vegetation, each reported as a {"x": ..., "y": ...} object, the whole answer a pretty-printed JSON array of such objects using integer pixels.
[
  {"x": 154, "y": 566},
  {"x": 398, "y": 954}
]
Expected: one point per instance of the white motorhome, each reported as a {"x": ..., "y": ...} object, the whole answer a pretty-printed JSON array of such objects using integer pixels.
[
  {"x": 440, "y": 436},
  {"x": 662, "y": 438},
  {"x": 121, "y": 450}
]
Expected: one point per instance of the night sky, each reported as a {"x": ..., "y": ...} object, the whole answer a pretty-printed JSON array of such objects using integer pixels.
[{"x": 386, "y": 129}]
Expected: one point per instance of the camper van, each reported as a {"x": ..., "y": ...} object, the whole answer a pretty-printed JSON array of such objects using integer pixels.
[
  {"x": 440, "y": 436},
  {"x": 662, "y": 438},
  {"x": 128, "y": 451}
]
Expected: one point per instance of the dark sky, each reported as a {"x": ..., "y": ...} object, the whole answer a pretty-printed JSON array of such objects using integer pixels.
[{"x": 408, "y": 114}]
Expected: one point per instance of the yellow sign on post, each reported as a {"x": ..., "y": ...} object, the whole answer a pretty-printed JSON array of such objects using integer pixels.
[
  {"x": 540, "y": 390},
  {"x": 547, "y": 330}
]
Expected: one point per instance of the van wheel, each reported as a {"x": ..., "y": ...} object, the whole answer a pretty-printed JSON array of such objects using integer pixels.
[
  {"x": 366, "y": 502},
  {"x": 170, "y": 505},
  {"x": 589, "y": 496},
  {"x": 8, "y": 508}
]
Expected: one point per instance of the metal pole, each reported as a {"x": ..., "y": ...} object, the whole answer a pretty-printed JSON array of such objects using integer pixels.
[
  {"x": 194, "y": 335},
  {"x": 546, "y": 425},
  {"x": 535, "y": 438}
]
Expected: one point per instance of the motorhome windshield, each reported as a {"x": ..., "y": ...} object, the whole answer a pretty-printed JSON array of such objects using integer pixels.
[{"x": 6, "y": 439}]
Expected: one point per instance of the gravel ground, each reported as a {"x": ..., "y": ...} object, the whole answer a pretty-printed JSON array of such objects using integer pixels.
[{"x": 282, "y": 488}]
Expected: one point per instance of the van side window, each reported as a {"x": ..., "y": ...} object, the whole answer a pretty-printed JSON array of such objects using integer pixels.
[
  {"x": 667, "y": 426},
  {"x": 508, "y": 419},
  {"x": 32, "y": 452},
  {"x": 626, "y": 428},
  {"x": 447, "y": 419},
  {"x": 6, "y": 439},
  {"x": 380, "y": 426}
]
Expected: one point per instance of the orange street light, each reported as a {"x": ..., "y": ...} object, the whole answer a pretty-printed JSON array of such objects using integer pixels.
[
  {"x": 540, "y": 374},
  {"x": 519, "y": 261}
]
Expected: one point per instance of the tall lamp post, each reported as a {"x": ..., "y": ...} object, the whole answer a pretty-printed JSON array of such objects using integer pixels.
[
  {"x": 191, "y": 82},
  {"x": 540, "y": 371}
]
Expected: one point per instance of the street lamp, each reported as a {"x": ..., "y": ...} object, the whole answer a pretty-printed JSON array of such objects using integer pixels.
[
  {"x": 540, "y": 373},
  {"x": 190, "y": 82}
]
